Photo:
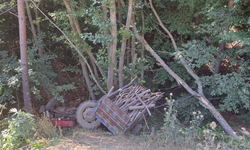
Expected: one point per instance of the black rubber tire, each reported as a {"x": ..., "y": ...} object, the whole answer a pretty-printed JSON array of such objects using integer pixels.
[
  {"x": 52, "y": 102},
  {"x": 82, "y": 111}
]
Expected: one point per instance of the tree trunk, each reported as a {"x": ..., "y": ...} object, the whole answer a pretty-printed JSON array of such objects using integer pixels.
[
  {"x": 218, "y": 59},
  {"x": 87, "y": 79},
  {"x": 105, "y": 19},
  {"x": 204, "y": 101},
  {"x": 40, "y": 49},
  {"x": 112, "y": 55},
  {"x": 71, "y": 44},
  {"x": 33, "y": 30},
  {"x": 94, "y": 67},
  {"x": 132, "y": 48},
  {"x": 222, "y": 45},
  {"x": 128, "y": 51},
  {"x": 75, "y": 25},
  {"x": 142, "y": 47},
  {"x": 124, "y": 42},
  {"x": 24, "y": 60},
  {"x": 120, "y": 13}
]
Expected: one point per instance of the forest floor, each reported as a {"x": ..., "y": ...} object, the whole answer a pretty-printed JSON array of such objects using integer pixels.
[
  {"x": 101, "y": 139},
  {"x": 77, "y": 138}
]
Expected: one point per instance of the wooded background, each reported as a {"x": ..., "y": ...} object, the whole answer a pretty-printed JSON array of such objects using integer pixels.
[{"x": 197, "y": 49}]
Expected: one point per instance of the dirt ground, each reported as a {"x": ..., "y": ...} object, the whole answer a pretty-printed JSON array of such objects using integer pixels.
[{"x": 101, "y": 139}]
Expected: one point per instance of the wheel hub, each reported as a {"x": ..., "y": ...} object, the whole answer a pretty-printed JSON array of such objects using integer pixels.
[{"x": 88, "y": 115}]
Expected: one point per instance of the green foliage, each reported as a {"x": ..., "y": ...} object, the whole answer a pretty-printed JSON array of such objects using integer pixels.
[
  {"x": 193, "y": 105},
  {"x": 174, "y": 130},
  {"x": 10, "y": 80},
  {"x": 232, "y": 88},
  {"x": 21, "y": 128},
  {"x": 244, "y": 117},
  {"x": 197, "y": 53},
  {"x": 134, "y": 70},
  {"x": 218, "y": 131},
  {"x": 211, "y": 136},
  {"x": 40, "y": 74}
]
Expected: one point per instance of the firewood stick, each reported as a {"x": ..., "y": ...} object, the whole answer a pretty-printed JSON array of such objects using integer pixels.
[
  {"x": 141, "y": 107},
  {"x": 143, "y": 104}
]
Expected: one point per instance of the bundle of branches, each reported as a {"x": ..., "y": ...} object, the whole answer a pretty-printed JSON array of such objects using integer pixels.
[{"x": 136, "y": 99}]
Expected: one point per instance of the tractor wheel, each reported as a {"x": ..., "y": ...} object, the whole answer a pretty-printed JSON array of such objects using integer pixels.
[{"x": 85, "y": 115}]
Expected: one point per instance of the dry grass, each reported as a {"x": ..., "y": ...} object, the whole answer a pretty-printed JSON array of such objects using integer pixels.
[
  {"x": 45, "y": 128},
  {"x": 101, "y": 139}
]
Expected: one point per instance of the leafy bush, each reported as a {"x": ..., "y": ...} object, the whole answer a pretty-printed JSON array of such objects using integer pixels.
[
  {"x": 40, "y": 74},
  {"x": 21, "y": 127},
  {"x": 211, "y": 141},
  {"x": 177, "y": 132}
]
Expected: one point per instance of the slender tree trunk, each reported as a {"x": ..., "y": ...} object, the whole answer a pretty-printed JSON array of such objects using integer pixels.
[
  {"x": 222, "y": 45},
  {"x": 142, "y": 46},
  {"x": 74, "y": 26},
  {"x": 120, "y": 13},
  {"x": 33, "y": 30},
  {"x": 94, "y": 67},
  {"x": 24, "y": 60},
  {"x": 40, "y": 49},
  {"x": 218, "y": 59},
  {"x": 87, "y": 79},
  {"x": 124, "y": 42},
  {"x": 132, "y": 48},
  {"x": 204, "y": 101},
  {"x": 71, "y": 44},
  {"x": 112, "y": 55},
  {"x": 128, "y": 51},
  {"x": 105, "y": 19}
]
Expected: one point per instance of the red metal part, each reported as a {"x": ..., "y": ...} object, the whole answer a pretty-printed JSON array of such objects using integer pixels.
[{"x": 63, "y": 123}]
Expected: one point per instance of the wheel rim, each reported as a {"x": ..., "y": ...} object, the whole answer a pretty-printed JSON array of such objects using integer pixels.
[{"x": 88, "y": 115}]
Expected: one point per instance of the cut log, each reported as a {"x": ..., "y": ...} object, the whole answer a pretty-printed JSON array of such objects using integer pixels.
[{"x": 141, "y": 107}]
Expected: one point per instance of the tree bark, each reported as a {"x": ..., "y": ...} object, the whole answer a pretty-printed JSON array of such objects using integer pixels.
[
  {"x": 40, "y": 50},
  {"x": 105, "y": 19},
  {"x": 204, "y": 101},
  {"x": 112, "y": 55},
  {"x": 128, "y": 51},
  {"x": 24, "y": 60},
  {"x": 142, "y": 47},
  {"x": 132, "y": 48},
  {"x": 33, "y": 30},
  {"x": 222, "y": 45},
  {"x": 76, "y": 48},
  {"x": 218, "y": 59},
  {"x": 87, "y": 79},
  {"x": 120, "y": 13},
  {"x": 75, "y": 27},
  {"x": 124, "y": 42}
]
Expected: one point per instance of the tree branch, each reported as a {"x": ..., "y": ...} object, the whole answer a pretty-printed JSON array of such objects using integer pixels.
[
  {"x": 177, "y": 50},
  {"x": 79, "y": 52},
  {"x": 124, "y": 39}
]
